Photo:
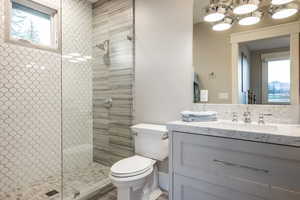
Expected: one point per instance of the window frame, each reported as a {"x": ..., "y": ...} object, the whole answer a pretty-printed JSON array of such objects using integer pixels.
[
  {"x": 283, "y": 55},
  {"x": 40, "y": 6}
]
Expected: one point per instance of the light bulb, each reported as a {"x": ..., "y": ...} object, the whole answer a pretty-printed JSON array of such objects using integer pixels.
[
  {"x": 245, "y": 9},
  {"x": 222, "y": 26},
  {"x": 247, "y": 21},
  {"x": 214, "y": 17},
  {"x": 281, "y": 2},
  {"x": 284, "y": 13}
]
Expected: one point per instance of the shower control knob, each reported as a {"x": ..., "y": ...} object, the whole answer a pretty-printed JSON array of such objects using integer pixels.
[{"x": 108, "y": 102}]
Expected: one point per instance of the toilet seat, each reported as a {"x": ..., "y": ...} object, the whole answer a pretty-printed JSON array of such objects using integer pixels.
[{"x": 132, "y": 166}]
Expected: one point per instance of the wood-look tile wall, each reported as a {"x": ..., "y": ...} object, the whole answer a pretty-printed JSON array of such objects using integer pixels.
[{"x": 112, "y": 78}]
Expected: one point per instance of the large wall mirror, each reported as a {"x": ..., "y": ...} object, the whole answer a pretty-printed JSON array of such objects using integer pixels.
[{"x": 246, "y": 51}]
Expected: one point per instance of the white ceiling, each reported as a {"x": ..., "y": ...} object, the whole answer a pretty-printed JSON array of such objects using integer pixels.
[
  {"x": 199, "y": 10},
  {"x": 273, "y": 43}
]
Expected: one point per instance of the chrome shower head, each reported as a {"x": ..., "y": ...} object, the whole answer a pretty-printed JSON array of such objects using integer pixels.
[{"x": 104, "y": 45}]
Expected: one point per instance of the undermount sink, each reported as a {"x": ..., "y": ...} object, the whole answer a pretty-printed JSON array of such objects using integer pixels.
[{"x": 247, "y": 126}]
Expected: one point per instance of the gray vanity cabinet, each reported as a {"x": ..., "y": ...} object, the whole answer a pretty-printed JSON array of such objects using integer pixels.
[{"x": 205, "y": 167}]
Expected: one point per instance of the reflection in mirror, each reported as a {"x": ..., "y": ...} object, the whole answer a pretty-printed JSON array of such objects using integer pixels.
[
  {"x": 264, "y": 63},
  {"x": 264, "y": 71}
]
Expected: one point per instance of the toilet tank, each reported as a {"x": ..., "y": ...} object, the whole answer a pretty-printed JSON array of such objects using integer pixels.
[{"x": 151, "y": 141}]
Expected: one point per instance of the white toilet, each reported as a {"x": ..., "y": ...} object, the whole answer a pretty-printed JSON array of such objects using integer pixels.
[{"x": 136, "y": 177}]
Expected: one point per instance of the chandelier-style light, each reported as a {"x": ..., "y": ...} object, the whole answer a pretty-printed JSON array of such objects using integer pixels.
[
  {"x": 224, "y": 13},
  {"x": 242, "y": 7}
]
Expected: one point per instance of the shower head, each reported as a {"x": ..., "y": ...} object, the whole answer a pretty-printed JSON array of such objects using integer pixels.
[{"x": 104, "y": 46}]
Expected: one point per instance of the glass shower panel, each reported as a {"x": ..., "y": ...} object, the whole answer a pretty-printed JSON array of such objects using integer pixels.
[
  {"x": 77, "y": 96},
  {"x": 97, "y": 81}
]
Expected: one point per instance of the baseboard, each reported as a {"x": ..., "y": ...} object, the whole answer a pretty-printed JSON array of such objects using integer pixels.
[{"x": 163, "y": 179}]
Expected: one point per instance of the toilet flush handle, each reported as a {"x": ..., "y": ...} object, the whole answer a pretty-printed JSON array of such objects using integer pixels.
[
  {"x": 165, "y": 136},
  {"x": 134, "y": 133}
]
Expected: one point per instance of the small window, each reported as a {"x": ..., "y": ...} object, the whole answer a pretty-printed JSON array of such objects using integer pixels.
[
  {"x": 279, "y": 81},
  {"x": 276, "y": 78},
  {"x": 33, "y": 24}
]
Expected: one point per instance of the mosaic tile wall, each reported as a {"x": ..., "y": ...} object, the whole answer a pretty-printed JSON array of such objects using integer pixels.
[
  {"x": 30, "y": 110},
  {"x": 112, "y": 78},
  {"x": 77, "y": 84}
]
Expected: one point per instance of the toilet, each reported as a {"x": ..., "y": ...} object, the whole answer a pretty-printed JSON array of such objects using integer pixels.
[{"x": 136, "y": 177}]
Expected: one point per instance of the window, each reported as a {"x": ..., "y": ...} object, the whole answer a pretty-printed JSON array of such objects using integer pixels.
[
  {"x": 33, "y": 24},
  {"x": 276, "y": 78},
  {"x": 279, "y": 81}
]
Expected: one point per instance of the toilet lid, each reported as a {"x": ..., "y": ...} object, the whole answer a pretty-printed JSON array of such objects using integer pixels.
[{"x": 131, "y": 166}]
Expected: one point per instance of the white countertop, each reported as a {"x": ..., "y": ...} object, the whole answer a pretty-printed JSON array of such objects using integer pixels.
[{"x": 269, "y": 133}]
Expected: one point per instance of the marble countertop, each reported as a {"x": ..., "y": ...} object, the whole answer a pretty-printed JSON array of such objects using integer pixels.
[{"x": 268, "y": 133}]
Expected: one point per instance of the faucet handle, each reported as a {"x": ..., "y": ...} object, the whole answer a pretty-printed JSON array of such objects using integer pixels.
[
  {"x": 234, "y": 117},
  {"x": 261, "y": 117}
]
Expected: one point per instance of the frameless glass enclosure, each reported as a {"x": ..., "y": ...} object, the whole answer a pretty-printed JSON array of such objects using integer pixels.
[
  {"x": 66, "y": 79},
  {"x": 97, "y": 77}
]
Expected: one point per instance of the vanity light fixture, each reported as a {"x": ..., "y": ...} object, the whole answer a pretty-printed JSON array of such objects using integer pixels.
[
  {"x": 284, "y": 11},
  {"x": 224, "y": 25},
  {"x": 243, "y": 7},
  {"x": 214, "y": 13},
  {"x": 224, "y": 13},
  {"x": 250, "y": 19},
  {"x": 281, "y": 2}
]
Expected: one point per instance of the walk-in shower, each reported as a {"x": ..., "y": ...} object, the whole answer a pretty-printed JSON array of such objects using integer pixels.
[{"x": 58, "y": 136}]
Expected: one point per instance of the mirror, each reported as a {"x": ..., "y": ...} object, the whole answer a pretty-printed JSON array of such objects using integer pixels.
[{"x": 245, "y": 64}]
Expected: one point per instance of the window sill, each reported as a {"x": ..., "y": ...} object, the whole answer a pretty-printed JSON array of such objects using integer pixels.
[{"x": 26, "y": 43}]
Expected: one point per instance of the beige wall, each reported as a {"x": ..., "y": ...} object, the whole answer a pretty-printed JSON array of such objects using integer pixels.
[
  {"x": 163, "y": 68},
  {"x": 212, "y": 53}
]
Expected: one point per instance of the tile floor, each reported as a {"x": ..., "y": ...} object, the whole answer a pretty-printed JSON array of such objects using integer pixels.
[
  {"x": 80, "y": 180},
  {"x": 95, "y": 175}
]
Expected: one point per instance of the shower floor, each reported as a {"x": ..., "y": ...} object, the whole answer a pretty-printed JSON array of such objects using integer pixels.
[{"x": 86, "y": 181}]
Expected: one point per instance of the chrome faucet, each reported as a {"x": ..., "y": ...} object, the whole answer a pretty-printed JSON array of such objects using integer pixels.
[
  {"x": 235, "y": 117},
  {"x": 247, "y": 116}
]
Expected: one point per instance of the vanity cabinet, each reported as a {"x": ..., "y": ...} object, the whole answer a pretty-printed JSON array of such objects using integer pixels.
[{"x": 204, "y": 167}]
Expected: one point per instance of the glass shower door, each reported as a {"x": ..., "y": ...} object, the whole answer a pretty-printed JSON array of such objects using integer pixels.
[{"x": 97, "y": 81}]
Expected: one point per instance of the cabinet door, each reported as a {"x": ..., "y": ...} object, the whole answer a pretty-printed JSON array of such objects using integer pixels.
[
  {"x": 196, "y": 189},
  {"x": 269, "y": 171}
]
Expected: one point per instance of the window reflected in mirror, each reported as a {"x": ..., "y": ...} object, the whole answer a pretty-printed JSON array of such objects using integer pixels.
[
  {"x": 279, "y": 81},
  {"x": 264, "y": 71}
]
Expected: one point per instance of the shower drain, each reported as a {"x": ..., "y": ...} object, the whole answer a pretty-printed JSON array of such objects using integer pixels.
[{"x": 52, "y": 193}]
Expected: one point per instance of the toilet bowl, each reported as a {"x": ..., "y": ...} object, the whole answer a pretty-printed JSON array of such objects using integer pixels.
[{"x": 136, "y": 177}]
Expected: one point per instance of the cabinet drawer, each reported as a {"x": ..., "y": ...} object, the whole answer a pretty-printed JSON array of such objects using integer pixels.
[
  {"x": 196, "y": 189},
  {"x": 276, "y": 166}
]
